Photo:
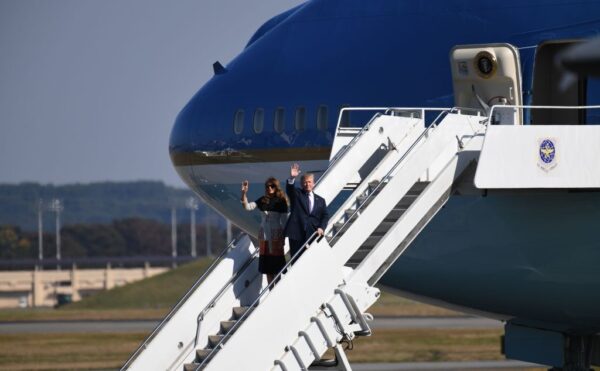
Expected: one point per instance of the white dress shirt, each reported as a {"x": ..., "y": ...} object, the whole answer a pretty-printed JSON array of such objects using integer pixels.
[{"x": 311, "y": 196}]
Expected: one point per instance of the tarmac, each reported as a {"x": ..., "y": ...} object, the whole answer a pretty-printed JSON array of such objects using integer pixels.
[
  {"x": 147, "y": 326},
  {"x": 378, "y": 323}
]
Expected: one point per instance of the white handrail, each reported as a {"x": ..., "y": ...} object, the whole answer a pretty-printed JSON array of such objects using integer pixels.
[
  {"x": 265, "y": 290},
  {"x": 385, "y": 109},
  {"x": 388, "y": 175},
  {"x": 211, "y": 304},
  {"x": 347, "y": 148},
  {"x": 178, "y": 305},
  {"x": 491, "y": 115}
]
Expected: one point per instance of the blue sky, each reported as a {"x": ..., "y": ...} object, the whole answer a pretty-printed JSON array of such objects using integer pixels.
[{"x": 89, "y": 90}]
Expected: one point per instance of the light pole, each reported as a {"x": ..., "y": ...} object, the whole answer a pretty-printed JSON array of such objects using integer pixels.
[
  {"x": 192, "y": 204},
  {"x": 40, "y": 228},
  {"x": 57, "y": 207},
  {"x": 174, "y": 235}
]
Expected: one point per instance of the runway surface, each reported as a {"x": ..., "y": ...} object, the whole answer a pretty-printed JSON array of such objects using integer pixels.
[
  {"x": 147, "y": 326},
  {"x": 447, "y": 366},
  {"x": 378, "y": 323}
]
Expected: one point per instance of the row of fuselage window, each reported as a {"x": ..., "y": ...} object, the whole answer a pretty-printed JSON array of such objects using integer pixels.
[{"x": 258, "y": 120}]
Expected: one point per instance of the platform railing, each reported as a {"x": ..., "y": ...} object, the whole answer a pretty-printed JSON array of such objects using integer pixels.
[
  {"x": 181, "y": 301},
  {"x": 443, "y": 112},
  {"x": 392, "y": 171},
  {"x": 256, "y": 302},
  {"x": 221, "y": 292},
  {"x": 490, "y": 119},
  {"x": 420, "y": 111},
  {"x": 349, "y": 146},
  {"x": 387, "y": 111}
]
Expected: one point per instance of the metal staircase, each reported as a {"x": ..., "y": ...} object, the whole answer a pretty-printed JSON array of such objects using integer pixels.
[
  {"x": 400, "y": 172},
  {"x": 363, "y": 200}
]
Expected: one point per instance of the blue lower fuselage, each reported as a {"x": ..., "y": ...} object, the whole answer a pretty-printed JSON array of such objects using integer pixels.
[{"x": 531, "y": 256}]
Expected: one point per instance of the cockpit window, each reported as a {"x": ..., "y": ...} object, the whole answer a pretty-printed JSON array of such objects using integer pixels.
[
  {"x": 238, "y": 122},
  {"x": 322, "y": 118},
  {"x": 279, "y": 120},
  {"x": 300, "y": 123},
  {"x": 259, "y": 120}
]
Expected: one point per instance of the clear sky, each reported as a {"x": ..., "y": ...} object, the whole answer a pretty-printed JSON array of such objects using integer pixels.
[{"x": 89, "y": 90}]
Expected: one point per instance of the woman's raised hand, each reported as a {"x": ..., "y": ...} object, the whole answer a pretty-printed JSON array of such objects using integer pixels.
[{"x": 245, "y": 186}]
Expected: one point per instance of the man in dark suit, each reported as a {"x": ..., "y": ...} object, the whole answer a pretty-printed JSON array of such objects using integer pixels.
[{"x": 308, "y": 211}]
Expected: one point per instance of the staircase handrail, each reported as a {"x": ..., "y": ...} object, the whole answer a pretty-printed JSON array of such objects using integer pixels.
[
  {"x": 497, "y": 106},
  {"x": 386, "y": 110},
  {"x": 347, "y": 147},
  {"x": 181, "y": 301},
  {"x": 254, "y": 304},
  {"x": 222, "y": 291},
  {"x": 433, "y": 125}
]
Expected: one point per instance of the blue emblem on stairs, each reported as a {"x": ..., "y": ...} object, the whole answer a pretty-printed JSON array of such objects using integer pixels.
[
  {"x": 547, "y": 154},
  {"x": 547, "y": 151}
]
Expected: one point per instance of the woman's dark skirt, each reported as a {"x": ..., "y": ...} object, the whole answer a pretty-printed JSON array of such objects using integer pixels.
[{"x": 271, "y": 259}]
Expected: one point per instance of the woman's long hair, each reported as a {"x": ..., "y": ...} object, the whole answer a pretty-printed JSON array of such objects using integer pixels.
[{"x": 279, "y": 193}]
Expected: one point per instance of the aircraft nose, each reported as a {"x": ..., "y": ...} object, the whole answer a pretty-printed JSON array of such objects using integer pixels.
[
  {"x": 196, "y": 129},
  {"x": 205, "y": 124},
  {"x": 179, "y": 140}
]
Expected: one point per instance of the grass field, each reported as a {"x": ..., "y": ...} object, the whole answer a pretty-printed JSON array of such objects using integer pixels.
[
  {"x": 154, "y": 297},
  {"x": 110, "y": 351},
  {"x": 66, "y": 351}
]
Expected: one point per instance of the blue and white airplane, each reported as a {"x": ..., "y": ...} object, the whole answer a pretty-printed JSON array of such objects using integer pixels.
[{"x": 531, "y": 258}]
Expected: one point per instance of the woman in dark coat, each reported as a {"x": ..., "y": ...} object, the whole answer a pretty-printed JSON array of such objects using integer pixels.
[{"x": 274, "y": 212}]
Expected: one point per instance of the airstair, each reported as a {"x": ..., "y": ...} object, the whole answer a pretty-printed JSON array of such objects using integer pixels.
[{"x": 398, "y": 170}]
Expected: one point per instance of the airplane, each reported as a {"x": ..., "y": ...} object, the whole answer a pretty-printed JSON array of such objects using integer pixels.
[{"x": 527, "y": 256}]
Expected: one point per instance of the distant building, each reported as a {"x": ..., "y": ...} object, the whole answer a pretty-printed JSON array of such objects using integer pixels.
[{"x": 42, "y": 288}]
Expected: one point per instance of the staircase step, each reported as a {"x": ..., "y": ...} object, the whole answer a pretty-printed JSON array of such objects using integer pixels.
[
  {"x": 419, "y": 186},
  {"x": 414, "y": 193},
  {"x": 373, "y": 184},
  {"x": 191, "y": 366},
  {"x": 238, "y": 312},
  {"x": 336, "y": 231},
  {"x": 395, "y": 214},
  {"x": 384, "y": 226},
  {"x": 352, "y": 263},
  {"x": 407, "y": 200},
  {"x": 360, "y": 254},
  {"x": 201, "y": 354},
  {"x": 371, "y": 241},
  {"x": 364, "y": 200},
  {"x": 213, "y": 340},
  {"x": 361, "y": 199},
  {"x": 226, "y": 326},
  {"x": 337, "y": 226},
  {"x": 349, "y": 212}
]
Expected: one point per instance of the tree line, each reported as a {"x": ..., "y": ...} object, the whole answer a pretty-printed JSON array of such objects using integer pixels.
[
  {"x": 122, "y": 237},
  {"x": 95, "y": 203}
]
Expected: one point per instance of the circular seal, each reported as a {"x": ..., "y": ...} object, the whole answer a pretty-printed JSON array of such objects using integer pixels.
[
  {"x": 547, "y": 151},
  {"x": 485, "y": 64}
]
